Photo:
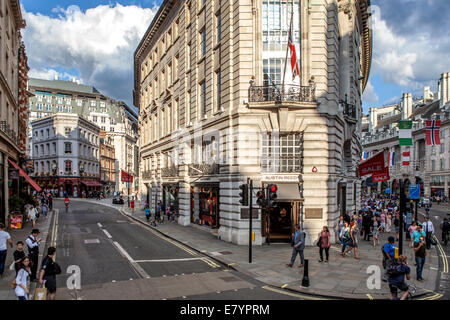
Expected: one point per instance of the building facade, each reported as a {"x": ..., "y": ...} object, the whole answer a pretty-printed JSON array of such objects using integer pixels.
[
  {"x": 429, "y": 165},
  {"x": 112, "y": 116},
  {"x": 65, "y": 149},
  {"x": 214, "y": 112},
  {"x": 11, "y": 99},
  {"x": 108, "y": 164}
]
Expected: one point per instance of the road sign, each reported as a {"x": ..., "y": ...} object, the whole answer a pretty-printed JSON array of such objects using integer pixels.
[
  {"x": 388, "y": 190},
  {"x": 414, "y": 191}
]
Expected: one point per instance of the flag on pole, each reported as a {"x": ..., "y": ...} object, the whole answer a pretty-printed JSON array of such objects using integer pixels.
[
  {"x": 432, "y": 131},
  {"x": 373, "y": 165},
  {"x": 405, "y": 158},
  {"x": 405, "y": 132},
  {"x": 391, "y": 159},
  {"x": 294, "y": 63},
  {"x": 364, "y": 156}
]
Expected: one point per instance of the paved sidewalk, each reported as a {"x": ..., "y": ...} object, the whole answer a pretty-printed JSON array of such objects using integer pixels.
[
  {"x": 339, "y": 278},
  {"x": 43, "y": 224}
]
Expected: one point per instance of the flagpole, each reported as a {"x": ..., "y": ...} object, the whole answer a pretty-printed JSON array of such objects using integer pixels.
[{"x": 287, "y": 51}]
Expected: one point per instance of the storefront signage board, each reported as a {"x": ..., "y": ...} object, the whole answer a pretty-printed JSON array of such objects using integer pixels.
[
  {"x": 279, "y": 178},
  {"x": 313, "y": 213}
]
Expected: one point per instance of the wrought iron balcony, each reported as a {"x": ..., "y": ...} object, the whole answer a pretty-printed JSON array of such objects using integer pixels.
[
  {"x": 203, "y": 169},
  {"x": 169, "y": 171},
  {"x": 146, "y": 174},
  {"x": 4, "y": 127},
  {"x": 280, "y": 93}
]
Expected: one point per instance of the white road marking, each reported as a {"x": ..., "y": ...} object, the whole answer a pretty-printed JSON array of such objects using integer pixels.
[
  {"x": 90, "y": 241},
  {"x": 100, "y": 225},
  {"x": 107, "y": 233},
  {"x": 135, "y": 265},
  {"x": 168, "y": 260}
]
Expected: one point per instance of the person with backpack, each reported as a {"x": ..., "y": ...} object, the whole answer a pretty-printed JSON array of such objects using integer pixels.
[
  {"x": 397, "y": 273},
  {"x": 48, "y": 273},
  {"x": 388, "y": 252},
  {"x": 22, "y": 283}
]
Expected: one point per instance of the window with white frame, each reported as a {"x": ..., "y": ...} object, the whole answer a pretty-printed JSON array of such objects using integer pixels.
[
  {"x": 68, "y": 166},
  {"x": 281, "y": 152}
]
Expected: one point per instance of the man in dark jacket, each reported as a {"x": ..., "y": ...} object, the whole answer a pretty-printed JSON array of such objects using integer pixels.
[
  {"x": 298, "y": 242},
  {"x": 367, "y": 219}
]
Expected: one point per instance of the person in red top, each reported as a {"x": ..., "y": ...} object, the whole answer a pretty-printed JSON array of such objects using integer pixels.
[
  {"x": 324, "y": 243},
  {"x": 66, "y": 203}
]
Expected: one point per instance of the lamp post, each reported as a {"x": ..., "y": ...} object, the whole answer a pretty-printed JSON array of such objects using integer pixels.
[{"x": 128, "y": 182}]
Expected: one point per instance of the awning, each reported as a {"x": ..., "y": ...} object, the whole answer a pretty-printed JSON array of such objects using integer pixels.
[
  {"x": 91, "y": 183},
  {"x": 23, "y": 174},
  {"x": 288, "y": 192}
]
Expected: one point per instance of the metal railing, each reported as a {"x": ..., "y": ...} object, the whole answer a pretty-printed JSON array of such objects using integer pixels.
[
  {"x": 280, "y": 93},
  {"x": 203, "y": 169},
  {"x": 4, "y": 127},
  {"x": 171, "y": 171}
]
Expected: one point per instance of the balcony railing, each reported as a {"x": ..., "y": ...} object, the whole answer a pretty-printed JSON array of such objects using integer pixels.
[
  {"x": 280, "y": 93},
  {"x": 146, "y": 174},
  {"x": 169, "y": 171},
  {"x": 203, "y": 169},
  {"x": 4, "y": 127}
]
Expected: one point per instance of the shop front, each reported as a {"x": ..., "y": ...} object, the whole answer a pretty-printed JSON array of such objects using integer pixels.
[
  {"x": 87, "y": 187},
  {"x": 279, "y": 222},
  {"x": 205, "y": 205},
  {"x": 437, "y": 192},
  {"x": 68, "y": 187},
  {"x": 170, "y": 198}
]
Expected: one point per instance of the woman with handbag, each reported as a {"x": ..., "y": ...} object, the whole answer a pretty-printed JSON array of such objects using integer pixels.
[
  {"x": 324, "y": 243},
  {"x": 22, "y": 281},
  {"x": 353, "y": 242}
]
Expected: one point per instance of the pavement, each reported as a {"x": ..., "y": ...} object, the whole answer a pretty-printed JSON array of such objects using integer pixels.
[
  {"x": 340, "y": 278},
  {"x": 43, "y": 224}
]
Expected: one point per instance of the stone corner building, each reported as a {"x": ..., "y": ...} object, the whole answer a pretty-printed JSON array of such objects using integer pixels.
[{"x": 213, "y": 111}]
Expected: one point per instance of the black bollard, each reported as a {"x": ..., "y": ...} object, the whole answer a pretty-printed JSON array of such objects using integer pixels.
[{"x": 305, "y": 280}]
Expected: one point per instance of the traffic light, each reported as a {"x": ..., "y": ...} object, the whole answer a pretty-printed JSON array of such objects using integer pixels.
[
  {"x": 243, "y": 194},
  {"x": 260, "y": 198},
  {"x": 272, "y": 195}
]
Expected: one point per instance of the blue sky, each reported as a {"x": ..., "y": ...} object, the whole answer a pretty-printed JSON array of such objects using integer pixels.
[{"x": 94, "y": 41}]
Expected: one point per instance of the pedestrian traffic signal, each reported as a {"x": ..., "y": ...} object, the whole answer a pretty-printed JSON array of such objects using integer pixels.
[
  {"x": 272, "y": 195},
  {"x": 260, "y": 198},
  {"x": 243, "y": 195}
]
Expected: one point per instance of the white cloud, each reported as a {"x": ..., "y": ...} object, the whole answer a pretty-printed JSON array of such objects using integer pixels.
[
  {"x": 99, "y": 43},
  {"x": 410, "y": 59},
  {"x": 369, "y": 95},
  {"x": 50, "y": 74}
]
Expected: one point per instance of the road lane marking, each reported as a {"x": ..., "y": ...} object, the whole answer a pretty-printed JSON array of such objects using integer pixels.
[
  {"x": 443, "y": 255},
  {"x": 210, "y": 263},
  {"x": 107, "y": 233},
  {"x": 100, "y": 225},
  {"x": 287, "y": 293},
  {"x": 134, "y": 264},
  {"x": 370, "y": 296},
  {"x": 168, "y": 260}
]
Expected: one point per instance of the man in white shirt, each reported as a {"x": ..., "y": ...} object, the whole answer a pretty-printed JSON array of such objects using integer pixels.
[
  {"x": 33, "y": 252},
  {"x": 5, "y": 238},
  {"x": 429, "y": 231}
]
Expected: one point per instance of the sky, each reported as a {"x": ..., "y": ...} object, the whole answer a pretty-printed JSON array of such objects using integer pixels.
[{"x": 94, "y": 42}]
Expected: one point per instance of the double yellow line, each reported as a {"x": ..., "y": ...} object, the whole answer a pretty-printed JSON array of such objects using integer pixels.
[{"x": 443, "y": 255}]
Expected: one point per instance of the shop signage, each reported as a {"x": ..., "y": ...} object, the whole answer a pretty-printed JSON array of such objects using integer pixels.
[
  {"x": 245, "y": 213},
  {"x": 279, "y": 178},
  {"x": 313, "y": 213}
]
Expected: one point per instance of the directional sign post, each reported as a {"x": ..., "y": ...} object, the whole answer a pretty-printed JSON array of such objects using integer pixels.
[{"x": 414, "y": 191}]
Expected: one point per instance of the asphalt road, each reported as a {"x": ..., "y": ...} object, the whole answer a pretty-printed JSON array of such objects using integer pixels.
[
  {"x": 437, "y": 215},
  {"x": 120, "y": 259}
]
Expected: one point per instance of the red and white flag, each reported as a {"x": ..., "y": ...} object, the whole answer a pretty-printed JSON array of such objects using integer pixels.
[
  {"x": 405, "y": 158},
  {"x": 294, "y": 63},
  {"x": 432, "y": 132}
]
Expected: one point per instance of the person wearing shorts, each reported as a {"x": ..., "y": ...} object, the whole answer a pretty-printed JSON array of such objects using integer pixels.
[{"x": 48, "y": 273}]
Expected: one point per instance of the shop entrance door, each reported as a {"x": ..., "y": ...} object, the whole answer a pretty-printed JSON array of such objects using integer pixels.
[
  {"x": 69, "y": 189},
  {"x": 280, "y": 222}
]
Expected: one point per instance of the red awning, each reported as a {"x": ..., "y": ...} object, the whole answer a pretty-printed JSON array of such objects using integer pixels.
[
  {"x": 23, "y": 174},
  {"x": 91, "y": 183}
]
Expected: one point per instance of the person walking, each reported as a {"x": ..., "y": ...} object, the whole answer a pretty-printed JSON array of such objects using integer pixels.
[
  {"x": 50, "y": 202},
  {"x": 353, "y": 242},
  {"x": 44, "y": 209},
  {"x": 388, "y": 256},
  {"x": 397, "y": 224},
  {"x": 445, "y": 227},
  {"x": 33, "y": 216},
  {"x": 19, "y": 254},
  {"x": 412, "y": 228},
  {"x": 345, "y": 235},
  {"x": 298, "y": 242},
  {"x": 5, "y": 239},
  {"x": 418, "y": 233},
  {"x": 429, "y": 231},
  {"x": 339, "y": 227},
  {"x": 325, "y": 243},
  {"x": 367, "y": 225},
  {"x": 397, "y": 281},
  {"x": 48, "y": 273},
  {"x": 375, "y": 231},
  {"x": 147, "y": 213},
  {"x": 420, "y": 253},
  {"x": 33, "y": 252},
  {"x": 388, "y": 222},
  {"x": 22, "y": 289}
]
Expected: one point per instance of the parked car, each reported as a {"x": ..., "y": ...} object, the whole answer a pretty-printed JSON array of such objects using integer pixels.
[{"x": 117, "y": 199}]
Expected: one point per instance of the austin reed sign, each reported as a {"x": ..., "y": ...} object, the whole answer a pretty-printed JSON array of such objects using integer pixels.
[{"x": 373, "y": 165}]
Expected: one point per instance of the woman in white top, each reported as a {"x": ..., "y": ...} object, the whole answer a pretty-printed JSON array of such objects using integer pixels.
[
  {"x": 33, "y": 215},
  {"x": 23, "y": 279}
]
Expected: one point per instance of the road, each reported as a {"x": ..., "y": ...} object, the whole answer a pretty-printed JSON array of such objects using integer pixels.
[
  {"x": 120, "y": 259},
  {"x": 437, "y": 215}
]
